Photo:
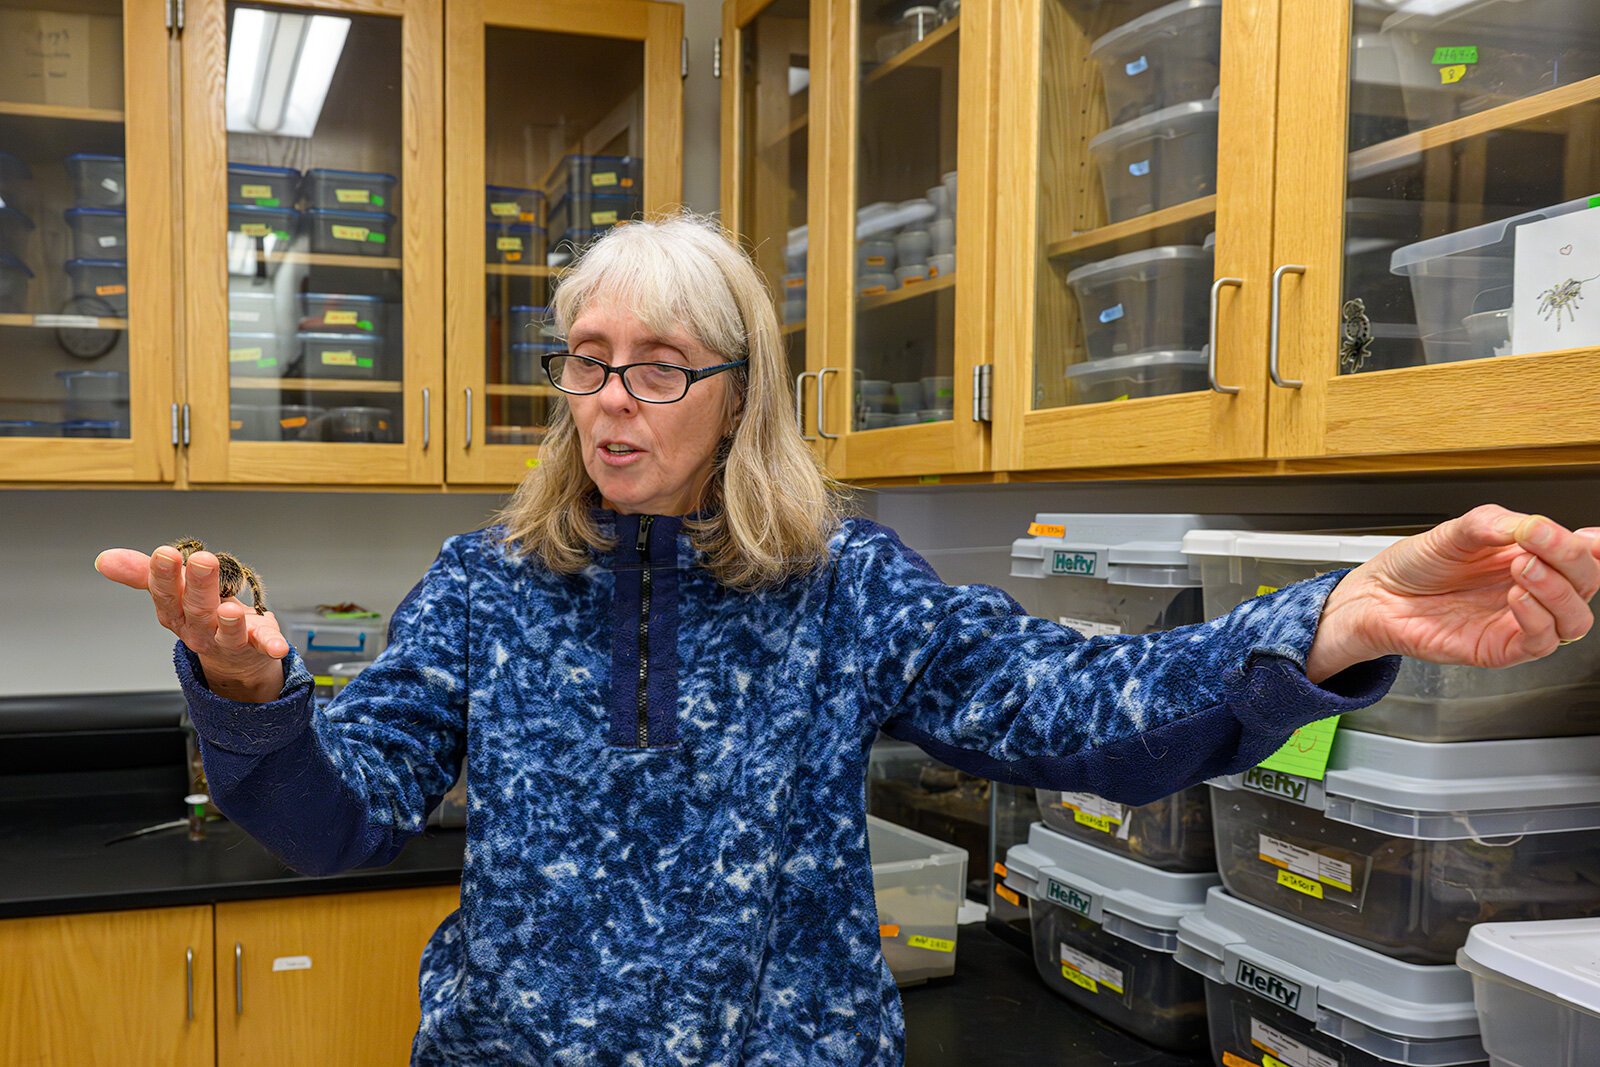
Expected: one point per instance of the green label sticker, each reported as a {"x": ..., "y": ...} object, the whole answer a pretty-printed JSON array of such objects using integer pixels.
[
  {"x": 1306, "y": 752},
  {"x": 1458, "y": 54},
  {"x": 269, "y": 201},
  {"x": 1594, "y": 201},
  {"x": 365, "y": 324},
  {"x": 364, "y": 361}
]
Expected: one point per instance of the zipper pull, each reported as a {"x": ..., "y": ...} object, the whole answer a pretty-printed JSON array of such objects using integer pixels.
[{"x": 642, "y": 544}]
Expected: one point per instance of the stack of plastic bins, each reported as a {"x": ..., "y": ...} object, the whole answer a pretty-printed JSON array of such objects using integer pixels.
[
  {"x": 325, "y": 637},
  {"x": 1278, "y": 992},
  {"x": 514, "y": 243},
  {"x": 1166, "y": 57},
  {"x": 14, "y": 278},
  {"x": 513, "y": 204},
  {"x": 1104, "y": 932},
  {"x": 98, "y": 180},
  {"x": 100, "y": 283},
  {"x": 1536, "y": 990},
  {"x": 593, "y": 193},
  {"x": 341, "y": 355},
  {"x": 908, "y": 787},
  {"x": 917, "y": 884}
]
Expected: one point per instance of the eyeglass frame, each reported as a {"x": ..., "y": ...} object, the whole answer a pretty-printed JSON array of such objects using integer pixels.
[{"x": 693, "y": 374}]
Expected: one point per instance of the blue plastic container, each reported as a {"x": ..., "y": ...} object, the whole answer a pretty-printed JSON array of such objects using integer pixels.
[
  {"x": 98, "y": 180},
  {"x": 254, "y": 186},
  {"x": 349, "y": 190},
  {"x": 102, "y": 279},
  {"x": 98, "y": 232}
]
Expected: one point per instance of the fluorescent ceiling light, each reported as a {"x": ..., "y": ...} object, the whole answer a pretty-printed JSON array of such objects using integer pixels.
[
  {"x": 279, "y": 68},
  {"x": 799, "y": 79}
]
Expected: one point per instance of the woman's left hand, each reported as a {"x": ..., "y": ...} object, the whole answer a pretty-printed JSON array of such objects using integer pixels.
[{"x": 1492, "y": 588}]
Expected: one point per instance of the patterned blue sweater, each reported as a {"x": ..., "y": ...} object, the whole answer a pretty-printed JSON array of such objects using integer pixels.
[{"x": 666, "y": 857}]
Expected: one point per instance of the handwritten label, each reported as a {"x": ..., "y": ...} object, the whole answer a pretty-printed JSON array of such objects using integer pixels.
[
  {"x": 1299, "y": 884},
  {"x": 1111, "y": 314},
  {"x": 1098, "y": 971},
  {"x": 1079, "y": 979},
  {"x": 1451, "y": 75},
  {"x": 351, "y": 233},
  {"x": 603, "y": 178},
  {"x": 353, "y": 196},
  {"x": 1305, "y": 865},
  {"x": 1137, "y": 67},
  {"x": 508, "y": 244},
  {"x": 1231, "y": 1060},
  {"x": 339, "y": 318},
  {"x": 932, "y": 944},
  {"x": 504, "y": 208},
  {"x": 254, "y": 192},
  {"x": 1306, "y": 752},
  {"x": 110, "y": 290},
  {"x": 888, "y": 930},
  {"x": 602, "y": 218},
  {"x": 1046, "y": 529},
  {"x": 255, "y": 229},
  {"x": 292, "y": 963},
  {"x": 243, "y": 355},
  {"x": 1458, "y": 54}
]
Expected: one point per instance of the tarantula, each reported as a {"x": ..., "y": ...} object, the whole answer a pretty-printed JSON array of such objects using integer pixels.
[{"x": 232, "y": 575}]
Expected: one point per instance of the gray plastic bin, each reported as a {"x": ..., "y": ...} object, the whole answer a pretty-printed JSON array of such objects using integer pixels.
[
  {"x": 341, "y": 355},
  {"x": 1155, "y": 299},
  {"x": 257, "y": 354},
  {"x": 1166, "y": 57},
  {"x": 1537, "y": 991},
  {"x": 1158, "y": 160},
  {"x": 1142, "y": 374}
]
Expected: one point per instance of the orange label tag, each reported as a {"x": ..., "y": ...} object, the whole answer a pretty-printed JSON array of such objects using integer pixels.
[
  {"x": 110, "y": 290},
  {"x": 1046, "y": 529},
  {"x": 1000, "y": 869},
  {"x": 1230, "y": 1060},
  {"x": 888, "y": 930},
  {"x": 1009, "y": 895},
  {"x": 294, "y": 422}
]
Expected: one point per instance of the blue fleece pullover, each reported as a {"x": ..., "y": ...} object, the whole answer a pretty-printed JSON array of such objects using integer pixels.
[{"x": 666, "y": 857}]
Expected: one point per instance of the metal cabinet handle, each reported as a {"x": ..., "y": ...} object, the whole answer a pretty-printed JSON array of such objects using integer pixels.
[
  {"x": 1277, "y": 291},
  {"x": 427, "y": 421},
  {"x": 800, "y": 402},
  {"x": 188, "y": 978},
  {"x": 468, "y": 391},
  {"x": 822, "y": 394},
  {"x": 185, "y": 425},
  {"x": 1211, "y": 370},
  {"x": 238, "y": 978}
]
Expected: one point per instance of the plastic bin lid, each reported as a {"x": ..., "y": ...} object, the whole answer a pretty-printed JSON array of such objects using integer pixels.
[
  {"x": 1296, "y": 548},
  {"x": 251, "y": 335},
  {"x": 359, "y": 175},
  {"x": 93, "y": 424},
  {"x": 1130, "y": 261},
  {"x": 1460, "y": 791},
  {"x": 1102, "y": 885},
  {"x": 512, "y": 227},
  {"x": 256, "y": 168},
  {"x": 512, "y": 189},
  {"x": 1361, "y": 997},
  {"x": 1149, "y": 125},
  {"x": 11, "y": 262},
  {"x": 67, "y": 375},
  {"x": 1115, "y": 540},
  {"x": 247, "y": 210},
  {"x": 342, "y": 212},
  {"x": 372, "y": 339},
  {"x": 343, "y": 298},
  {"x": 103, "y": 212},
  {"x": 1110, "y": 368},
  {"x": 1144, "y": 24},
  {"x": 91, "y": 264},
  {"x": 1491, "y": 235},
  {"x": 93, "y": 157},
  {"x": 1488, "y": 16},
  {"x": 531, "y": 309},
  {"x": 1554, "y": 956}
]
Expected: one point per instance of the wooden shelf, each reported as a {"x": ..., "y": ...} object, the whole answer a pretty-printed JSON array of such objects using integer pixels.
[
  {"x": 51, "y": 322},
  {"x": 1376, "y": 158},
  {"x": 328, "y": 259},
  {"x": 916, "y": 55},
  {"x": 522, "y": 270},
  {"x": 59, "y": 112},
  {"x": 906, "y": 292},
  {"x": 522, "y": 390},
  {"x": 792, "y": 127},
  {"x": 1138, "y": 226},
  {"x": 318, "y": 385},
  {"x": 789, "y": 329}
]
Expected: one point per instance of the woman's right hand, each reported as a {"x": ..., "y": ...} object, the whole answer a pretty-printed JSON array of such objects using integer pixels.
[{"x": 241, "y": 652}]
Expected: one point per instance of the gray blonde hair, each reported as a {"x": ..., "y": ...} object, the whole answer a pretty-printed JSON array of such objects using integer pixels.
[{"x": 769, "y": 509}]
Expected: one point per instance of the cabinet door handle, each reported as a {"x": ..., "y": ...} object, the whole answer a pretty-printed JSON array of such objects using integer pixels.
[
  {"x": 185, "y": 425},
  {"x": 468, "y": 391},
  {"x": 822, "y": 395},
  {"x": 188, "y": 979},
  {"x": 238, "y": 978},
  {"x": 427, "y": 421},
  {"x": 1211, "y": 369},
  {"x": 1277, "y": 292},
  {"x": 800, "y": 402}
]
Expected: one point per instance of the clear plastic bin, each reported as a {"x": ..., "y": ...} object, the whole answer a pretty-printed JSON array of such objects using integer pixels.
[
  {"x": 95, "y": 428},
  {"x": 1462, "y": 274},
  {"x": 598, "y": 174},
  {"x": 342, "y": 313},
  {"x": 94, "y": 394},
  {"x": 29, "y": 428},
  {"x": 1276, "y": 987},
  {"x": 270, "y": 422},
  {"x": 1556, "y": 696},
  {"x": 1145, "y": 301},
  {"x": 269, "y": 229},
  {"x": 341, "y": 355},
  {"x": 1173, "y": 833},
  {"x": 1012, "y": 810},
  {"x": 1405, "y": 845},
  {"x": 917, "y": 883},
  {"x": 254, "y": 186},
  {"x": 349, "y": 190},
  {"x": 525, "y": 364},
  {"x": 1104, "y": 932},
  {"x": 352, "y": 425},
  {"x": 252, "y": 310},
  {"x": 105, "y": 280},
  {"x": 1141, "y": 374},
  {"x": 1537, "y": 991},
  {"x": 1166, "y": 57},
  {"x": 14, "y": 278},
  {"x": 324, "y": 637},
  {"x": 255, "y": 354},
  {"x": 1373, "y": 229},
  {"x": 98, "y": 180},
  {"x": 1158, "y": 160},
  {"x": 592, "y": 211},
  {"x": 563, "y": 247},
  {"x": 14, "y": 229},
  {"x": 352, "y": 233},
  {"x": 1460, "y": 58},
  {"x": 509, "y": 204},
  {"x": 531, "y": 323},
  {"x": 513, "y": 243},
  {"x": 910, "y": 788}
]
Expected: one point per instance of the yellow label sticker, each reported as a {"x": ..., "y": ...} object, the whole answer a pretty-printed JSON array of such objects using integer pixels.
[
  {"x": 1263, "y": 590},
  {"x": 1307, "y": 751},
  {"x": 340, "y": 318},
  {"x": 1452, "y": 74},
  {"x": 932, "y": 944},
  {"x": 603, "y": 177},
  {"x": 1300, "y": 884},
  {"x": 1009, "y": 895},
  {"x": 888, "y": 930},
  {"x": 243, "y": 355},
  {"x": 350, "y": 233},
  {"x": 353, "y": 196},
  {"x": 110, "y": 290},
  {"x": 1124, "y": 396},
  {"x": 255, "y": 192},
  {"x": 1103, "y": 823},
  {"x": 293, "y": 422},
  {"x": 1077, "y": 978},
  {"x": 602, "y": 218},
  {"x": 928, "y": 479},
  {"x": 1269, "y": 1060},
  {"x": 255, "y": 229},
  {"x": 532, "y": 463},
  {"x": 1231, "y": 1060},
  {"x": 508, "y": 244},
  {"x": 505, "y": 209},
  {"x": 1046, "y": 529},
  {"x": 338, "y": 359}
]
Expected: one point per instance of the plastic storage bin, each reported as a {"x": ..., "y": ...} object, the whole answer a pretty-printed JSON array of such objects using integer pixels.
[
  {"x": 98, "y": 233},
  {"x": 253, "y": 186},
  {"x": 270, "y": 422},
  {"x": 592, "y": 211},
  {"x": 324, "y": 637},
  {"x": 531, "y": 323},
  {"x": 98, "y": 180},
  {"x": 1463, "y": 273},
  {"x": 917, "y": 883},
  {"x": 511, "y": 204},
  {"x": 351, "y": 425},
  {"x": 1275, "y": 987},
  {"x": 346, "y": 190},
  {"x": 1138, "y": 375},
  {"x": 1158, "y": 160},
  {"x": 1104, "y": 932},
  {"x": 1558, "y": 695},
  {"x": 95, "y": 428},
  {"x": 525, "y": 364},
  {"x": 14, "y": 278},
  {"x": 1166, "y": 57},
  {"x": 28, "y": 428},
  {"x": 1145, "y": 301},
  {"x": 257, "y": 354},
  {"x": 342, "y": 313},
  {"x": 94, "y": 394},
  {"x": 1537, "y": 991},
  {"x": 352, "y": 233},
  {"x": 1012, "y": 810},
  {"x": 1373, "y": 230},
  {"x": 1457, "y": 59},
  {"x": 910, "y": 788},
  {"x": 252, "y": 311},
  {"x": 1173, "y": 833},
  {"x": 599, "y": 174},
  {"x": 513, "y": 243},
  {"x": 105, "y": 280},
  {"x": 1405, "y": 845},
  {"x": 267, "y": 228},
  {"x": 341, "y": 355},
  {"x": 564, "y": 246}
]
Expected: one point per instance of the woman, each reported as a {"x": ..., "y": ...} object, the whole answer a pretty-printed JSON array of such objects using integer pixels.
[{"x": 668, "y": 661}]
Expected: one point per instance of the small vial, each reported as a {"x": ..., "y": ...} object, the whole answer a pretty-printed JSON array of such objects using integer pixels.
[{"x": 196, "y": 805}]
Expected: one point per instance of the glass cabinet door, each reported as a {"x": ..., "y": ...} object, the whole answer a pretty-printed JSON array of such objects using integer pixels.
[
  {"x": 1141, "y": 167},
  {"x": 1442, "y": 245},
  {"x": 85, "y": 185},
  {"x": 565, "y": 125},
  {"x": 913, "y": 239},
  {"x": 314, "y": 200}
]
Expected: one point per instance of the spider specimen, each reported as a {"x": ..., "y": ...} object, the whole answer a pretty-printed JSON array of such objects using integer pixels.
[{"x": 232, "y": 575}]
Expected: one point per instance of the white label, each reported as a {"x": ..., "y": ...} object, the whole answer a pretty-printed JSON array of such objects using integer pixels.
[
  {"x": 1090, "y": 804},
  {"x": 1089, "y": 628},
  {"x": 1111, "y": 314},
  {"x": 108, "y": 241},
  {"x": 243, "y": 316},
  {"x": 1099, "y": 970},
  {"x": 111, "y": 185},
  {"x": 1306, "y": 863},
  {"x": 1285, "y": 1048},
  {"x": 292, "y": 963},
  {"x": 82, "y": 322}
]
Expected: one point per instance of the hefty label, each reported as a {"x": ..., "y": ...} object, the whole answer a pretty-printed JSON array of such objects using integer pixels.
[
  {"x": 1282, "y": 1048},
  {"x": 1068, "y": 897},
  {"x": 1274, "y": 987},
  {"x": 1278, "y": 784},
  {"x": 1066, "y": 561}
]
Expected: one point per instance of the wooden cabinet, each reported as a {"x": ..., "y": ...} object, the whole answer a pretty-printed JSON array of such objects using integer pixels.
[{"x": 112, "y": 987}]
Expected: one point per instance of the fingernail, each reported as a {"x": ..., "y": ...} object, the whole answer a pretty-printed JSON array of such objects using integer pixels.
[
  {"x": 229, "y": 620},
  {"x": 198, "y": 568},
  {"x": 98, "y": 558},
  {"x": 1536, "y": 530},
  {"x": 1534, "y": 570},
  {"x": 166, "y": 564}
]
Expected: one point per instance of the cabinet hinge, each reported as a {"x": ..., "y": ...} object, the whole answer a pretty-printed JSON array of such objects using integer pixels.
[
  {"x": 174, "y": 425},
  {"x": 983, "y": 392},
  {"x": 716, "y": 58},
  {"x": 683, "y": 57}
]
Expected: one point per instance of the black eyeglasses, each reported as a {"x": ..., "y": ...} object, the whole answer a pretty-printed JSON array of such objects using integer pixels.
[{"x": 650, "y": 383}]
